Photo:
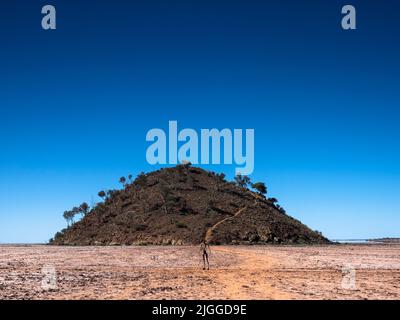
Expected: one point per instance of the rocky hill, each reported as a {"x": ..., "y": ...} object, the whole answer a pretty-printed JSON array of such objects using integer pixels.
[{"x": 184, "y": 205}]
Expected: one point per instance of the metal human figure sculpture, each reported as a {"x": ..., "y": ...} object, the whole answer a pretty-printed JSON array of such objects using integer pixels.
[{"x": 205, "y": 251}]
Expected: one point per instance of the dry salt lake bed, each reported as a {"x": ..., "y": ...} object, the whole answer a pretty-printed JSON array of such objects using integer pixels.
[{"x": 345, "y": 271}]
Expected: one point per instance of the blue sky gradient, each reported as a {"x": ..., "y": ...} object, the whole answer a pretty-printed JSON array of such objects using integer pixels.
[{"x": 76, "y": 103}]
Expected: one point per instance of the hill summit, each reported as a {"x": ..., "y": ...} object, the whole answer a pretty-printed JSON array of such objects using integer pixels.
[{"x": 185, "y": 205}]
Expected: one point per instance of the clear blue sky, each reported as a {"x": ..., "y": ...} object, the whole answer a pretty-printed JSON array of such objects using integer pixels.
[{"x": 76, "y": 103}]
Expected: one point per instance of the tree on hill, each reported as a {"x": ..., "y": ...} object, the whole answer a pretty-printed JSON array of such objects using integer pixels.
[
  {"x": 68, "y": 216},
  {"x": 102, "y": 194},
  {"x": 260, "y": 187},
  {"x": 75, "y": 210},
  {"x": 141, "y": 180},
  {"x": 242, "y": 181},
  {"x": 122, "y": 181},
  {"x": 281, "y": 210},
  {"x": 84, "y": 208},
  {"x": 111, "y": 194},
  {"x": 57, "y": 235},
  {"x": 273, "y": 200}
]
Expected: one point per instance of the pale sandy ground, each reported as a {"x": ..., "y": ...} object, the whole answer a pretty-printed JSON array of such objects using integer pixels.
[{"x": 237, "y": 272}]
